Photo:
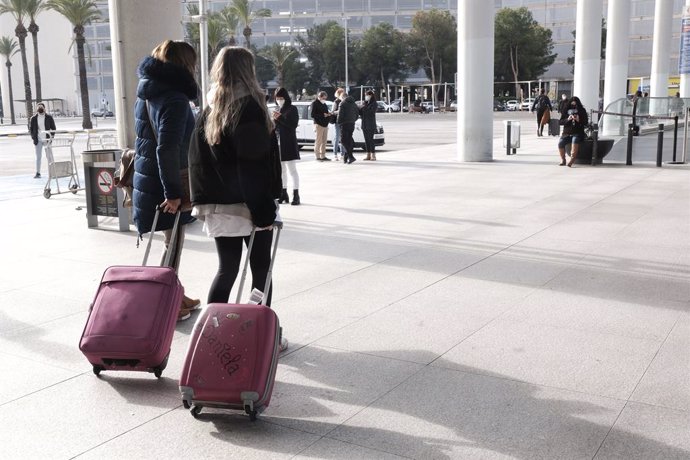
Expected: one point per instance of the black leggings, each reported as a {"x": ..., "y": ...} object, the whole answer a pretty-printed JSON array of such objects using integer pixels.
[
  {"x": 369, "y": 140},
  {"x": 229, "y": 257}
]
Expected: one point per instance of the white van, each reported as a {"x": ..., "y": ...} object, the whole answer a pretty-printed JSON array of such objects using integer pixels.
[{"x": 306, "y": 135}]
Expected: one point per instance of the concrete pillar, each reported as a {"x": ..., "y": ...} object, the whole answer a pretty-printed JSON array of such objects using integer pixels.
[
  {"x": 616, "y": 70},
  {"x": 685, "y": 78},
  {"x": 661, "y": 49},
  {"x": 475, "y": 80},
  {"x": 588, "y": 52},
  {"x": 136, "y": 28}
]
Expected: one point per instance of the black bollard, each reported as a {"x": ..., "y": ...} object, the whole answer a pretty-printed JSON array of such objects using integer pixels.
[
  {"x": 508, "y": 133},
  {"x": 675, "y": 137},
  {"x": 628, "y": 155},
  {"x": 595, "y": 142},
  {"x": 660, "y": 145}
]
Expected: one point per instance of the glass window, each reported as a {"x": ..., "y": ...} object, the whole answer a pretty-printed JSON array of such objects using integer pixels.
[
  {"x": 415, "y": 5},
  {"x": 303, "y": 7},
  {"x": 642, "y": 8},
  {"x": 375, "y": 20},
  {"x": 330, "y": 6},
  {"x": 404, "y": 21},
  {"x": 382, "y": 5},
  {"x": 356, "y": 5},
  {"x": 439, "y": 4},
  {"x": 277, "y": 25}
]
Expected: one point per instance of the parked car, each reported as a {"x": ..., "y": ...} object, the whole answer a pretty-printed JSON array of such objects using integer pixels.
[
  {"x": 306, "y": 134},
  {"x": 430, "y": 106},
  {"x": 382, "y": 107},
  {"x": 512, "y": 105},
  {"x": 101, "y": 113},
  {"x": 395, "y": 106},
  {"x": 527, "y": 104},
  {"x": 499, "y": 106},
  {"x": 453, "y": 106}
]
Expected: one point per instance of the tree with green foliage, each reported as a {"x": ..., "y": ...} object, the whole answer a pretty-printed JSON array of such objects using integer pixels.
[
  {"x": 230, "y": 22},
  {"x": 18, "y": 10},
  {"x": 433, "y": 43},
  {"x": 324, "y": 47},
  {"x": 217, "y": 34},
  {"x": 278, "y": 54},
  {"x": 246, "y": 14},
  {"x": 33, "y": 8},
  {"x": 381, "y": 54},
  {"x": 79, "y": 13},
  {"x": 8, "y": 48},
  {"x": 296, "y": 76},
  {"x": 265, "y": 71},
  {"x": 522, "y": 48}
]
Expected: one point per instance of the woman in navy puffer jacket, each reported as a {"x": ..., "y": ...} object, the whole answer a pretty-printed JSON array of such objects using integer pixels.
[{"x": 164, "y": 128}]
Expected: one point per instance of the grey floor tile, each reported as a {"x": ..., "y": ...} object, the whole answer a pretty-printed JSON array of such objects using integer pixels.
[
  {"x": 215, "y": 435},
  {"x": 667, "y": 381},
  {"x": 331, "y": 449},
  {"x": 593, "y": 363},
  {"x": 68, "y": 418},
  {"x": 31, "y": 307},
  {"x": 588, "y": 313},
  {"x": 444, "y": 414},
  {"x": 319, "y": 388},
  {"x": 648, "y": 432},
  {"x": 21, "y": 376},
  {"x": 514, "y": 270}
]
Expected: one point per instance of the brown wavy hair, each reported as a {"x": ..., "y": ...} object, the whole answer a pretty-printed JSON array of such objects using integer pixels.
[
  {"x": 178, "y": 53},
  {"x": 233, "y": 76}
]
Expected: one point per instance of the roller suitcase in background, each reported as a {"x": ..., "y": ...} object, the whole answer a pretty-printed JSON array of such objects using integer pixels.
[
  {"x": 233, "y": 353},
  {"x": 132, "y": 318},
  {"x": 554, "y": 127}
]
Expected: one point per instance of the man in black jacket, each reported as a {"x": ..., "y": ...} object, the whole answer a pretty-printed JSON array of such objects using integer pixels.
[
  {"x": 348, "y": 112},
  {"x": 320, "y": 114},
  {"x": 41, "y": 127}
]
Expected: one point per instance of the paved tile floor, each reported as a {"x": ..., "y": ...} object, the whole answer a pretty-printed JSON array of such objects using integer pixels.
[{"x": 435, "y": 309}]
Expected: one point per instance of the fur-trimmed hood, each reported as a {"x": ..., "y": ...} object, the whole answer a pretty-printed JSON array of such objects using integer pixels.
[{"x": 158, "y": 77}]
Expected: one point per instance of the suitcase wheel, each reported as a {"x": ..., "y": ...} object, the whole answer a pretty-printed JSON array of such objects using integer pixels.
[
  {"x": 195, "y": 411},
  {"x": 252, "y": 413},
  {"x": 157, "y": 371},
  {"x": 97, "y": 369},
  {"x": 185, "y": 403}
]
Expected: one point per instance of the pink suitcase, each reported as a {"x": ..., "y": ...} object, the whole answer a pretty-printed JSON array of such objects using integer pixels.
[
  {"x": 132, "y": 318},
  {"x": 233, "y": 353}
]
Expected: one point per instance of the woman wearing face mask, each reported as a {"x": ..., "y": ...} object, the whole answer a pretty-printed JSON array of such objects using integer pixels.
[
  {"x": 337, "y": 147},
  {"x": 286, "y": 120},
  {"x": 574, "y": 121},
  {"x": 41, "y": 126},
  {"x": 368, "y": 114}
]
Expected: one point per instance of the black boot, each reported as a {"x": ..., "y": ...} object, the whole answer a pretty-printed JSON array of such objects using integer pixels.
[
  {"x": 284, "y": 197},
  {"x": 295, "y": 197}
]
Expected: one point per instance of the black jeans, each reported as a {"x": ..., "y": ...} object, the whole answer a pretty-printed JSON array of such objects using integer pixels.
[
  {"x": 229, "y": 251},
  {"x": 346, "y": 131},
  {"x": 369, "y": 140}
]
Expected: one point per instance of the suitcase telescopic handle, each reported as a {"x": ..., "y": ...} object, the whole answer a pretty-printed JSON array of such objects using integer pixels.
[
  {"x": 173, "y": 238},
  {"x": 278, "y": 226}
]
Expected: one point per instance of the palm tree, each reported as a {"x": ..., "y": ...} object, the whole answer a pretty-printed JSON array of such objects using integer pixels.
[
  {"x": 216, "y": 35},
  {"x": 8, "y": 48},
  {"x": 17, "y": 8},
  {"x": 278, "y": 54},
  {"x": 33, "y": 8},
  {"x": 244, "y": 10},
  {"x": 230, "y": 22},
  {"x": 79, "y": 13}
]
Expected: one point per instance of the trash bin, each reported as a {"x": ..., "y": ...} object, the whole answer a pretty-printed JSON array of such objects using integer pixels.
[
  {"x": 103, "y": 199},
  {"x": 511, "y": 129}
]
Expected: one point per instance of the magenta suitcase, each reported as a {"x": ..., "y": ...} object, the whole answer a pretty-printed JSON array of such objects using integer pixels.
[
  {"x": 233, "y": 353},
  {"x": 132, "y": 318}
]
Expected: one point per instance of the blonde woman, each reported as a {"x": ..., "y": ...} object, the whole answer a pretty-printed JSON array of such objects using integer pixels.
[
  {"x": 234, "y": 171},
  {"x": 164, "y": 124}
]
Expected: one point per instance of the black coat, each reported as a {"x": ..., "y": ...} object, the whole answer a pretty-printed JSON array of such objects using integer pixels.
[
  {"x": 243, "y": 168},
  {"x": 157, "y": 165},
  {"x": 286, "y": 126},
  {"x": 33, "y": 127},
  {"x": 572, "y": 127},
  {"x": 318, "y": 113},
  {"x": 347, "y": 111},
  {"x": 368, "y": 114}
]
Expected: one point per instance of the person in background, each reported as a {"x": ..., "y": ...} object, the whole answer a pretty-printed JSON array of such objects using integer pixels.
[
  {"x": 163, "y": 123},
  {"x": 233, "y": 171},
  {"x": 286, "y": 120},
  {"x": 368, "y": 114},
  {"x": 563, "y": 104},
  {"x": 541, "y": 104},
  {"x": 574, "y": 121},
  {"x": 337, "y": 146},
  {"x": 348, "y": 112},
  {"x": 321, "y": 116},
  {"x": 41, "y": 127}
]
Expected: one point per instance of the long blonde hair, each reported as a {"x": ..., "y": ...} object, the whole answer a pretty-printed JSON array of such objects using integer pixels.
[{"x": 232, "y": 77}]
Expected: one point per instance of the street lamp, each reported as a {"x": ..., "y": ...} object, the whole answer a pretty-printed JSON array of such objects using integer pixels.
[
  {"x": 347, "y": 76},
  {"x": 202, "y": 19}
]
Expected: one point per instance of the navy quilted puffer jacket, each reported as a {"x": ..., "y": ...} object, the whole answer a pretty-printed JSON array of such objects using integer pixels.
[{"x": 168, "y": 89}]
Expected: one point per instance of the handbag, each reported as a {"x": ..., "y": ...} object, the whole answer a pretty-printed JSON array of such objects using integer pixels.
[
  {"x": 186, "y": 201},
  {"x": 124, "y": 176}
]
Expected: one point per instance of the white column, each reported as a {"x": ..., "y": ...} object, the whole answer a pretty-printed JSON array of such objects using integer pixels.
[
  {"x": 663, "y": 21},
  {"x": 616, "y": 70},
  {"x": 685, "y": 78},
  {"x": 588, "y": 52},
  {"x": 136, "y": 28},
  {"x": 475, "y": 80}
]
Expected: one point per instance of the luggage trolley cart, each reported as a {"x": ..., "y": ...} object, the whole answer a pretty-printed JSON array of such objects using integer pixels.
[{"x": 61, "y": 169}]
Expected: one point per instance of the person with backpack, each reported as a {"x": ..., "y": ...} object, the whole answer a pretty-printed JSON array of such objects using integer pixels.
[{"x": 541, "y": 104}]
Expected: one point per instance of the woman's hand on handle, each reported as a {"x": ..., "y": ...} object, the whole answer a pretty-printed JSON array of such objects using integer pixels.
[{"x": 171, "y": 206}]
